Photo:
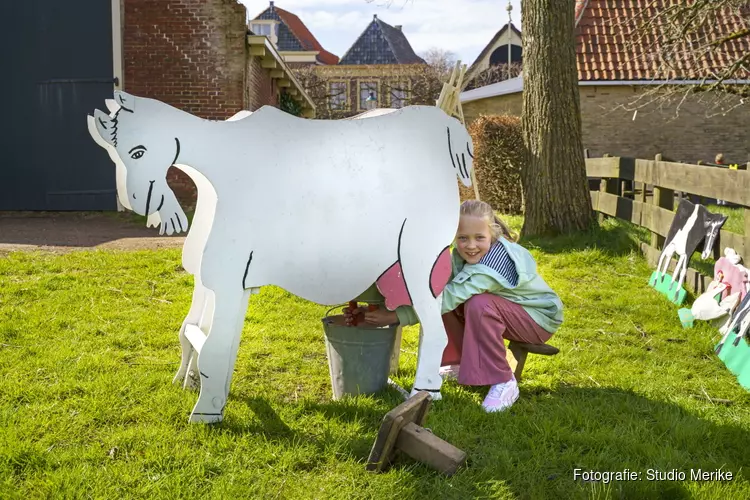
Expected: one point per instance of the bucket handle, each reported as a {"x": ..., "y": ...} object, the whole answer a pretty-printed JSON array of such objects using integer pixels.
[{"x": 335, "y": 307}]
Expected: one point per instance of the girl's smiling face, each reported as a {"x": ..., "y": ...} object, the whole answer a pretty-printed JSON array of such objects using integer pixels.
[{"x": 473, "y": 239}]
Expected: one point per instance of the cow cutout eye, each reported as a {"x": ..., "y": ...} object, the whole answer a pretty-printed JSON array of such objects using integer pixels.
[{"x": 137, "y": 152}]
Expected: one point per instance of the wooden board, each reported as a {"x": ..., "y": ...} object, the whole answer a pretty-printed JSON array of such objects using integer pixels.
[
  {"x": 730, "y": 185},
  {"x": 413, "y": 410},
  {"x": 603, "y": 167},
  {"x": 654, "y": 218}
]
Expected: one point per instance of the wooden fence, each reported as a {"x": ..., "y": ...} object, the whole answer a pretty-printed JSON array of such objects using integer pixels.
[{"x": 662, "y": 184}]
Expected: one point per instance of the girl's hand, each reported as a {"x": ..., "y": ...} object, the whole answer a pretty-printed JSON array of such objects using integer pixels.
[
  {"x": 349, "y": 314},
  {"x": 378, "y": 317},
  {"x": 381, "y": 317}
]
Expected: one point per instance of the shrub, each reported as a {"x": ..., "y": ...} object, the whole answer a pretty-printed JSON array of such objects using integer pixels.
[{"x": 498, "y": 159}]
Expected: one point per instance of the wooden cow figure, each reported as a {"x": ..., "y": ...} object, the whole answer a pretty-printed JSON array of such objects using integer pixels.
[
  {"x": 691, "y": 224},
  {"x": 277, "y": 195}
]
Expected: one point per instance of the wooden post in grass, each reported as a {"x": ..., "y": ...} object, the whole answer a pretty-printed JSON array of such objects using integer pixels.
[
  {"x": 663, "y": 198},
  {"x": 609, "y": 186}
]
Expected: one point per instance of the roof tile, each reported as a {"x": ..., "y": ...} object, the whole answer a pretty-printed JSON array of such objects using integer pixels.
[
  {"x": 381, "y": 43},
  {"x": 294, "y": 36},
  {"x": 606, "y": 28}
]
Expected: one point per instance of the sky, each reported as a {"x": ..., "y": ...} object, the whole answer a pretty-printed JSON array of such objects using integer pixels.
[{"x": 463, "y": 27}]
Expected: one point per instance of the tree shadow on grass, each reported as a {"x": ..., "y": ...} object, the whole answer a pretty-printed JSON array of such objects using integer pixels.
[
  {"x": 346, "y": 410},
  {"x": 613, "y": 237},
  {"x": 533, "y": 448}
]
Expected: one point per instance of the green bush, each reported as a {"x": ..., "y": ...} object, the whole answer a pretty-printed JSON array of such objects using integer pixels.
[{"x": 498, "y": 159}]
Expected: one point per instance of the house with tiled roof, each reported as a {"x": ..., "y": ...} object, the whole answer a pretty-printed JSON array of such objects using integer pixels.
[
  {"x": 505, "y": 46},
  {"x": 293, "y": 40},
  {"x": 615, "y": 68},
  {"x": 380, "y": 70}
]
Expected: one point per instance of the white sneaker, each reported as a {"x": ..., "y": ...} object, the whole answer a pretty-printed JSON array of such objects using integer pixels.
[
  {"x": 501, "y": 396},
  {"x": 449, "y": 372}
]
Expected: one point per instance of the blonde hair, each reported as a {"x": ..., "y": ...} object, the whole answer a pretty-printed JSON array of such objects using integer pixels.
[
  {"x": 719, "y": 158},
  {"x": 498, "y": 228}
]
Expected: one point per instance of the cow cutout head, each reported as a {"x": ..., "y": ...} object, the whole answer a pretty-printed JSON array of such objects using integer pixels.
[
  {"x": 143, "y": 150},
  {"x": 711, "y": 225}
]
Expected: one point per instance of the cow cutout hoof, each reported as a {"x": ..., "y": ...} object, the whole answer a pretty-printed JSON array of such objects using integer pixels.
[
  {"x": 435, "y": 395},
  {"x": 206, "y": 418}
]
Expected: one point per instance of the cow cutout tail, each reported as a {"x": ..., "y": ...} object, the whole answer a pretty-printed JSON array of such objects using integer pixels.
[{"x": 459, "y": 150}]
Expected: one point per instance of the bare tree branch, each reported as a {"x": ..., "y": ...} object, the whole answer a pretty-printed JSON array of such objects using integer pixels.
[{"x": 696, "y": 48}]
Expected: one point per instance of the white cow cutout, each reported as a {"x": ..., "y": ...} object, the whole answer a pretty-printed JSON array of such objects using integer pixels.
[
  {"x": 277, "y": 198},
  {"x": 170, "y": 218}
]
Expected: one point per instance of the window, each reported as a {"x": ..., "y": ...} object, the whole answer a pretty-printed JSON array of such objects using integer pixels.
[
  {"x": 399, "y": 94},
  {"x": 264, "y": 29},
  {"x": 368, "y": 95},
  {"x": 337, "y": 98}
]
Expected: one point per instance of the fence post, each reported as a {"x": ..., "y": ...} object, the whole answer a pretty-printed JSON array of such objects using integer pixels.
[
  {"x": 607, "y": 186},
  {"x": 663, "y": 198}
]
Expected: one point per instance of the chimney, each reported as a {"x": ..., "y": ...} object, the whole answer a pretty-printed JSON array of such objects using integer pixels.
[
  {"x": 271, "y": 6},
  {"x": 374, "y": 17},
  {"x": 398, "y": 27}
]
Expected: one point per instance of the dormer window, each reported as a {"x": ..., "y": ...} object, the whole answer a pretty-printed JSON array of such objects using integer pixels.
[{"x": 269, "y": 29}]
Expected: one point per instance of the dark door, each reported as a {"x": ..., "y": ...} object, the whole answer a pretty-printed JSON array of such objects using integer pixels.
[{"x": 58, "y": 57}]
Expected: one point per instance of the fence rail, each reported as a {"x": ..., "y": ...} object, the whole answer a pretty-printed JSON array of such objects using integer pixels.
[{"x": 668, "y": 182}]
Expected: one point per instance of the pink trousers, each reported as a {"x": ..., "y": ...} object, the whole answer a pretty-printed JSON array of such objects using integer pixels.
[{"x": 476, "y": 332}]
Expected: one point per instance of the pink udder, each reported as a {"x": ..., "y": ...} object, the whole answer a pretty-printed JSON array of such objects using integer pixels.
[{"x": 392, "y": 286}]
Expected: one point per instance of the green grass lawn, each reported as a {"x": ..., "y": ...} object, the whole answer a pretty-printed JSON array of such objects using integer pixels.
[{"x": 88, "y": 348}]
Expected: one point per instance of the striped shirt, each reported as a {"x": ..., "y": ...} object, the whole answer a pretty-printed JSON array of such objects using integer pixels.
[{"x": 498, "y": 259}]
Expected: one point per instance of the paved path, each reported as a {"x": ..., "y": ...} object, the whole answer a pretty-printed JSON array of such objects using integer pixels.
[{"x": 68, "y": 231}]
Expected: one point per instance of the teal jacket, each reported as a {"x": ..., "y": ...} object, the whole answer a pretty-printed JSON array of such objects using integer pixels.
[{"x": 532, "y": 292}]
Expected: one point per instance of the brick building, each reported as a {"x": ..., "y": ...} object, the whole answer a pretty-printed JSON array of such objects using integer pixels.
[
  {"x": 296, "y": 44},
  {"x": 198, "y": 56},
  {"x": 612, "y": 76},
  {"x": 380, "y": 69},
  {"x": 376, "y": 72},
  {"x": 495, "y": 55}
]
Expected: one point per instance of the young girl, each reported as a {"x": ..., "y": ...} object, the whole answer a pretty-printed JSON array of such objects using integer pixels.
[{"x": 494, "y": 294}]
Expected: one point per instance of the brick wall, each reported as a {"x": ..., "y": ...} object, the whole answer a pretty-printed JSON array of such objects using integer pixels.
[
  {"x": 690, "y": 137},
  {"x": 261, "y": 88},
  {"x": 190, "y": 54}
]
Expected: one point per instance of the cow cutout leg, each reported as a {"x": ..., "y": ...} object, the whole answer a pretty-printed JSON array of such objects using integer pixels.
[
  {"x": 236, "y": 341},
  {"x": 192, "y": 378},
  {"x": 417, "y": 253},
  {"x": 216, "y": 355},
  {"x": 193, "y": 318},
  {"x": 664, "y": 260},
  {"x": 678, "y": 268},
  {"x": 683, "y": 272}
]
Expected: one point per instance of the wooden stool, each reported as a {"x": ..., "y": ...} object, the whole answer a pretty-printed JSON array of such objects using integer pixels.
[
  {"x": 401, "y": 430},
  {"x": 517, "y": 352}
]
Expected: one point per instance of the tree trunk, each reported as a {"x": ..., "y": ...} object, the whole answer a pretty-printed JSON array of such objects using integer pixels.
[{"x": 554, "y": 180}]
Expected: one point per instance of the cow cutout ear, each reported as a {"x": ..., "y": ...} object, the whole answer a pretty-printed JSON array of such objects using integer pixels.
[
  {"x": 112, "y": 106},
  {"x": 125, "y": 101},
  {"x": 104, "y": 125},
  {"x": 94, "y": 132}
]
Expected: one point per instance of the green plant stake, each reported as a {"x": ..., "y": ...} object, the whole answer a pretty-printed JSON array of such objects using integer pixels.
[
  {"x": 686, "y": 317},
  {"x": 667, "y": 288}
]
